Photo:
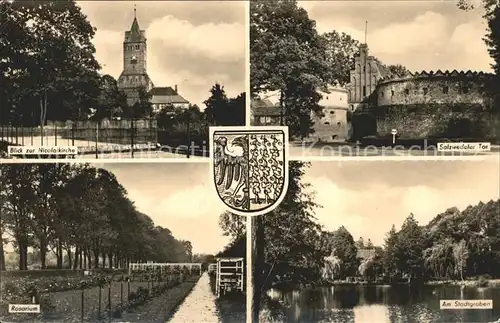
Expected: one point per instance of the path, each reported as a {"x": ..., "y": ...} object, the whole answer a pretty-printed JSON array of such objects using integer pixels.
[{"x": 199, "y": 306}]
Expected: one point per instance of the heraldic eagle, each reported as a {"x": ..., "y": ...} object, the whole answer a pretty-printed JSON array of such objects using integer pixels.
[{"x": 231, "y": 170}]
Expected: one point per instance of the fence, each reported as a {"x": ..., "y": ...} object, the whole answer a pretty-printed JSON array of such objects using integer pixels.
[
  {"x": 230, "y": 275},
  {"x": 89, "y": 136}
]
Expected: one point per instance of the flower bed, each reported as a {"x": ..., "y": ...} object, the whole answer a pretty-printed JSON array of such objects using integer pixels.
[{"x": 92, "y": 298}]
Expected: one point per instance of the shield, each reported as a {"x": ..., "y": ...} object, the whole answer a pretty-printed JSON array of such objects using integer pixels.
[{"x": 249, "y": 167}]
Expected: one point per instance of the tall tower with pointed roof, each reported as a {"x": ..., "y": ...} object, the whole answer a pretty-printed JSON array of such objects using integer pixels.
[{"x": 134, "y": 75}]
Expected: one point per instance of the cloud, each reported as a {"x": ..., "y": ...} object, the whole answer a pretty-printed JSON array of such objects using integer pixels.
[
  {"x": 371, "y": 200},
  {"x": 335, "y": 206},
  {"x": 427, "y": 40},
  {"x": 190, "y": 213},
  {"x": 220, "y": 42}
]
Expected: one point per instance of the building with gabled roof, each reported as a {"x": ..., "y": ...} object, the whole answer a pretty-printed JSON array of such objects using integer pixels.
[{"x": 162, "y": 97}]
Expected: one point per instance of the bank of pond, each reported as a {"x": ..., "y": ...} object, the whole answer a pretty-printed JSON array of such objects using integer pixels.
[{"x": 355, "y": 302}]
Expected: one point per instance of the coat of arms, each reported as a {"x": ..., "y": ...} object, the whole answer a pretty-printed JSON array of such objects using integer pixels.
[{"x": 250, "y": 167}]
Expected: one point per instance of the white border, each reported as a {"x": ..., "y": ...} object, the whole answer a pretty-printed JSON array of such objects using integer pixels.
[
  {"x": 249, "y": 270},
  {"x": 250, "y": 130},
  {"x": 247, "y": 64}
]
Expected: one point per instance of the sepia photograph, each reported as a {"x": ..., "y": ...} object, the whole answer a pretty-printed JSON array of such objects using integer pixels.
[
  {"x": 118, "y": 242},
  {"x": 381, "y": 241},
  {"x": 377, "y": 78},
  {"x": 146, "y": 84}
]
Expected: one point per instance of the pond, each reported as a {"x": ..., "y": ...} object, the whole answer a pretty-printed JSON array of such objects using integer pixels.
[{"x": 381, "y": 304}]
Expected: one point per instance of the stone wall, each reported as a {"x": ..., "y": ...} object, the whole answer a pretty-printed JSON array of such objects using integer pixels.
[
  {"x": 425, "y": 90},
  {"x": 332, "y": 126},
  {"x": 438, "y": 121}
]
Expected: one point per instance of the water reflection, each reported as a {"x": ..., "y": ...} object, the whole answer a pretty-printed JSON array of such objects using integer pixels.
[{"x": 398, "y": 304}]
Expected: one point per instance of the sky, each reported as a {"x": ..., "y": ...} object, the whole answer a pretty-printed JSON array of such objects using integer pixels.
[
  {"x": 420, "y": 35},
  {"x": 368, "y": 197},
  {"x": 177, "y": 196},
  {"x": 191, "y": 44}
]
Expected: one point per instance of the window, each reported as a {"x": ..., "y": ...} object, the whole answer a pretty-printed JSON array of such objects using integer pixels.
[
  {"x": 327, "y": 97},
  {"x": 392, "y": 92},
  {"x": 339, "y": 124},
  {"x": 445, "y": 89},
  {"x": 364, "y": 68},
  {"x": 426, "y": 90},
  {"x": 364, "y": 90},
  {"x": 407, "y": 91},
  {"x": 327, "y": 123},
  {"x": 332, "y": 112},
  {"x": 262, "y": 120},
  {"x": 137, "y": 47},
  {"x": 382, "y": 94}
]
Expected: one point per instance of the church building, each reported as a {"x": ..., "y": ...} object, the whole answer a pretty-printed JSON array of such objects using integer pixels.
[{"x": 135, "y": 75}]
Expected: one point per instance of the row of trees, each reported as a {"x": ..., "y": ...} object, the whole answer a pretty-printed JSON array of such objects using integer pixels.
[
  {"x": 454, "y": 245},
  {"x": 288, "y": 55},
  {"x": 220, "y": 110},
  {"x": 82, "y": 212},
  {"x": 48, "y": 71}
]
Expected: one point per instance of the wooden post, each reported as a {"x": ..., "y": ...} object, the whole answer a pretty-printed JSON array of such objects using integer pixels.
[
  {"x": 96, "y": 140},
  {"x": 121, "y": 294},
  {"x": 100, "y": 299},
  {"x": 82, "y": 314},
  {"x": 132, "y": 137},
  {"x": 258, "y": 259},
  {"x": 188, "y": 133},
  {"x": 109, "y": 300}
]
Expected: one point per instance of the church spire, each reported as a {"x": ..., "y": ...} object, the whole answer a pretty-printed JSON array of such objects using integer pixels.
[{"x": 135, "y": 30}]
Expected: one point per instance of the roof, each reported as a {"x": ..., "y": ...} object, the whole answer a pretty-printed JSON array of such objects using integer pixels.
[
  {"x": 266, "y": 111},
  {"x": 135, "y": 34},
  {"x": 366, "y": 253},
  {"x": 165, "y": 95},
  {"x": 259, "y": 103}
]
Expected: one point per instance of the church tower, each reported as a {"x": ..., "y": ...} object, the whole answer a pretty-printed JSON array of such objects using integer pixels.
[{"x": 134, "y": 75}]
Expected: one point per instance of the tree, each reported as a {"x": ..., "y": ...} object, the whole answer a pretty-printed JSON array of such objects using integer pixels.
[
  {"x": 341, "y": 49},
  {"x": 460, "y": 254},
  {"x": 216, "y": 105},
  {"x": 142, "y": 108},
  {"x": 360, "y": 244},
  {"x": 236, "y": 113},
  {"x": 345, "y": 249},
  {"x": 286, "y": 239},
  {"x": 232, "y": 225},
  {"x": 409, "y": 248},
  {"x": 81, "y": 211},
  {"x": 287, "y": 55},
  {"x": 492, "y": 40},
  {"x": 112, "y": 101},
  {"x": 49, "y": 68},
  {"x": 390, "y": 255},
  {"x": 398, "y": 70}
]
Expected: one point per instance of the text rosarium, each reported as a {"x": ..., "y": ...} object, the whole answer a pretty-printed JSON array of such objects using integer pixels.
[
  {"x": 24, "y": 308},
  {"x": 464, "y": 146},
  {"x": 57, "y": 150},
  {"x": 473, "y": 304}
]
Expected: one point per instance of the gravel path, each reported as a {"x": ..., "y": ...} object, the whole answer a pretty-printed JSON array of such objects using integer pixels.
[{"x": 199, "y": 306}]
